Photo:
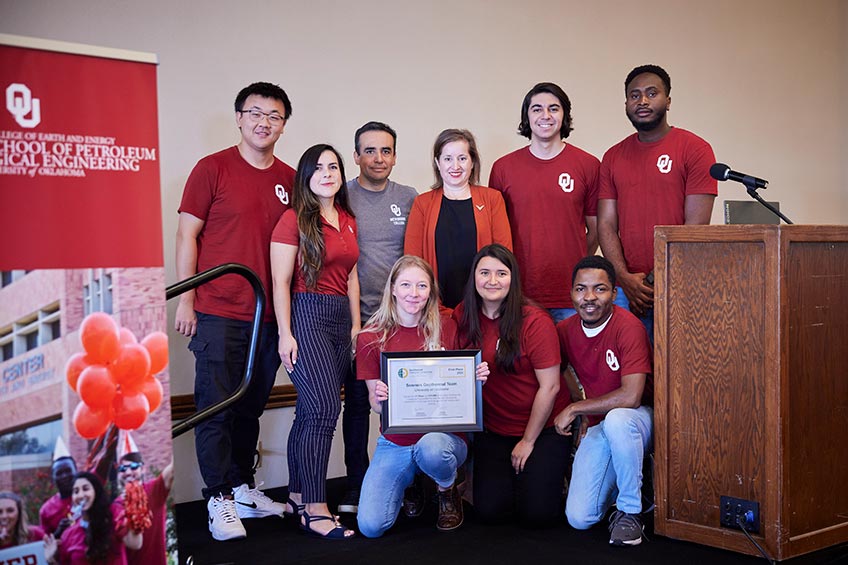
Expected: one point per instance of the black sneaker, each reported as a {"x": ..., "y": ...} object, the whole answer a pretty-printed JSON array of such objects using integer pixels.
[
  {"x": 350, "y": 502},
  {"x": 625, "y": 529}
]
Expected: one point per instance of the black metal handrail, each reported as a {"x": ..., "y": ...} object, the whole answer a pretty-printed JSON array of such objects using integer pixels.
[{"x": 255, "y": 334}]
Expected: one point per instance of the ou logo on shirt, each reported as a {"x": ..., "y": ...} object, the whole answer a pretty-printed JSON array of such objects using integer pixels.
[
  {"x": 281, "y": 193},
  {"x": 612, "y": 362},
  {"x": 395, "y": 210},
  {"x": 664, "y": 164},
  {"x": 566, "y": 183}
]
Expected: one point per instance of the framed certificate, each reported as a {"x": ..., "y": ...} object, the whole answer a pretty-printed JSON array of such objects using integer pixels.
[{"x": 431, "y": 391}]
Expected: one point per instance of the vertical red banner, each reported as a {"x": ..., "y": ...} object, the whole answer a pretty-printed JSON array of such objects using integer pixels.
[
  {"x": 79, "y": 161},
  {"x": 83, "y": 372}
]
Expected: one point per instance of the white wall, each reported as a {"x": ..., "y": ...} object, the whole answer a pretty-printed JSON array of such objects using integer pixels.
[{"x": 759, "y": 79}]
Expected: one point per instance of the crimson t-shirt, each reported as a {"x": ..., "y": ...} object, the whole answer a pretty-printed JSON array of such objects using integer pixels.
[
  {"x": 622, "y": 348},
  {"x": 341, "y": 252},
  {"x": 508, "y": 397},
  {"x": 547, "y": 201},
  {"x": 651, "y": 181},
  {"x": 34, "y": 533},
  {"x": 152, "y": 551},
  {"x": 52, "y": 511},
  {"x": 240, "y": 206},
  {"x": 403, "y": 339}
]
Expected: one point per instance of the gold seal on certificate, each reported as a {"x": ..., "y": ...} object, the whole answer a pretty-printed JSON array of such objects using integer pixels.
[{"x": 431, "y": 391}]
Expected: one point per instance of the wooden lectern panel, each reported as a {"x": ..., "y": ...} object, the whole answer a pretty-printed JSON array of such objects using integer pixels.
[
  {"x": 751, "y": 390},
  {"x": 817, "y": 382}
]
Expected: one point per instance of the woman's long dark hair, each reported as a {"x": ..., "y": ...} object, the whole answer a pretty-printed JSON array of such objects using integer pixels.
[
  {"x": 308, "y": 210},
  {"x": 98, "y": 535},
  {"x": 510, "y": 314}
]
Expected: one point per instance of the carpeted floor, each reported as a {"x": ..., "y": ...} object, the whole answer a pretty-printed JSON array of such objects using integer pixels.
[{"x": 417, "y": 542}]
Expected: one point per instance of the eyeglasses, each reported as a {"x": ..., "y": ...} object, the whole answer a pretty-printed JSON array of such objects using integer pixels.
[
  {"x": 257, "y": 115},
  {"x": 129, "y": 466}
]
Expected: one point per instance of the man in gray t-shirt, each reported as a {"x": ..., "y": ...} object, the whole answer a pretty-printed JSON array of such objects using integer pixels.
[{"x": 382, "y": 208}]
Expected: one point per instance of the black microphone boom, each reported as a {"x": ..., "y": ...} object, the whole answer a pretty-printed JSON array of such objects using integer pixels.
[{"x": 720, "y": 171}]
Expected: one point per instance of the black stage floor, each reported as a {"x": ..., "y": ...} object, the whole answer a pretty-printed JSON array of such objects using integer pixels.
[{"x": 417, "y": 542}]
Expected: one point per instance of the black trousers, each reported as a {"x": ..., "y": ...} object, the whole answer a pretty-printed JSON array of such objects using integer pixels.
[
  {"x": 356, "y": 420},
  {"x": 533, "y": 497}
]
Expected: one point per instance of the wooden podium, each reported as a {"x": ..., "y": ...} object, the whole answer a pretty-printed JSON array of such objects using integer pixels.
[{"x": 751, "y": 391}]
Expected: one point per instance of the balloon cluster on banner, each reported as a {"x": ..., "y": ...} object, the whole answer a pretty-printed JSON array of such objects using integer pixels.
[{"x": 114, "y": 376}]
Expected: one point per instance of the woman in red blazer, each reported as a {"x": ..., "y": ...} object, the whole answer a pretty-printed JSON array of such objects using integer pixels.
[{"x": 454, "y": 220}]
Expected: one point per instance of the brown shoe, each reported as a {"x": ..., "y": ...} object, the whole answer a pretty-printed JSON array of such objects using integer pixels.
[
  {"x": 414, "y": 497},
  {"x": 450, "y": 510}
]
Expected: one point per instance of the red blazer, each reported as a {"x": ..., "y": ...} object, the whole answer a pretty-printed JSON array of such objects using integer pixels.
[{"x": 489, "y": 215}]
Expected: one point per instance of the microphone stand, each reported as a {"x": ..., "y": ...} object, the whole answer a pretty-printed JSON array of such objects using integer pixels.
[{"x": 752, "y": 191}]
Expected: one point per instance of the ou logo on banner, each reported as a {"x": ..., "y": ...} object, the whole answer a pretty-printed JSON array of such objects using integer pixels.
[
  {"x": 19, "y": 102},
  {"x": 612, "y": 362},
  {"x": 395, "y": 209},
  {"x": 281, "y": 193},
  {"x": 664, "y": 164},
  {"x": 566, "y": 183}
]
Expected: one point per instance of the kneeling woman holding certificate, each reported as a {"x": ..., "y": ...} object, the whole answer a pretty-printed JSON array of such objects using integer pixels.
[
  {"x": 519, "y": 459},
  {"x": 408, "y": 319}
]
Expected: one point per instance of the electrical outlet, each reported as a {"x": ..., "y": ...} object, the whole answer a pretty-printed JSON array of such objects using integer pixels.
[{"x": 748, "y": 510}]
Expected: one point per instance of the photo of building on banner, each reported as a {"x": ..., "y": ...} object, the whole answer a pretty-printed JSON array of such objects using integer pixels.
[{"x": 85, "y": 425}]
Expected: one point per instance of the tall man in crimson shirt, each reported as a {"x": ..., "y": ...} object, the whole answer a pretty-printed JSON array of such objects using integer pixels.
[
  {"x": 231, "y": 203},
  {"x": 658, "y": 176},
  {"x": 611, "y": 355},
  {"x": 550, "y": 189}
]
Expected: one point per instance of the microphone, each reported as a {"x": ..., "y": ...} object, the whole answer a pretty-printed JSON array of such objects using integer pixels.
[{"x": 722, "y": 172}]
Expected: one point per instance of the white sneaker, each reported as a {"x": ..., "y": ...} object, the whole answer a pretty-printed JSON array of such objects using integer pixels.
[
  {"x": 224, "y": 523},
  {"x": 252, "y": 503}
]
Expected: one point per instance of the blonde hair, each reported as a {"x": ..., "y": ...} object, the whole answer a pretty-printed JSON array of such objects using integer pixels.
[{"x": 385, "y": 320}]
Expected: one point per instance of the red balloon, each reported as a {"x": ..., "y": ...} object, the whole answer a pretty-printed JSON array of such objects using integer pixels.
[
  {"x": 131, "y": 411},
  {"x": 130, "y": 368},
  {"x": 96, "y": 387},
  {"x": 125, "y": 336},
  {"x": 100, "y": 337},
  {"x": 89, "y": 423},
  {"x": 153, "y": 390},
  {"x": 157, "y": 345},
  {"x": 75, "y": 365}
]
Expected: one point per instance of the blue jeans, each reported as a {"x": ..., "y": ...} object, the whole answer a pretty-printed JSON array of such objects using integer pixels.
[
  {"x": 647, "y": 320},
  {"x": 393, "y": 468},
  {"x": 608, "y": 466},
  {"x": 560, "y": 314}
]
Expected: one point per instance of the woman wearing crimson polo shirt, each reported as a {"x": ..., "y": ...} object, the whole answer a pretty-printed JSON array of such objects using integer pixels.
[
  {"x": 316, "y": 300},
  {"x": 407, "y": 320},
  {"x": 519, "y": 459}
]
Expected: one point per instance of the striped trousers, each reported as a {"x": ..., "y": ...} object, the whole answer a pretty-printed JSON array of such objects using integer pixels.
[{"x": 321, "y": 326}]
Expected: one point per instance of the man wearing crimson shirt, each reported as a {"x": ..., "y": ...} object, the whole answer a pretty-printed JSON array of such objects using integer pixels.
[
  {"x": 231, "y": 203},
  {"x": 56, "y": 510},
  {"x": 658, "y": 176},
  {"x": 131, "y": 468},
  {"x": 551, "y": 192},
  {"x": 609, "y": 350}
]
